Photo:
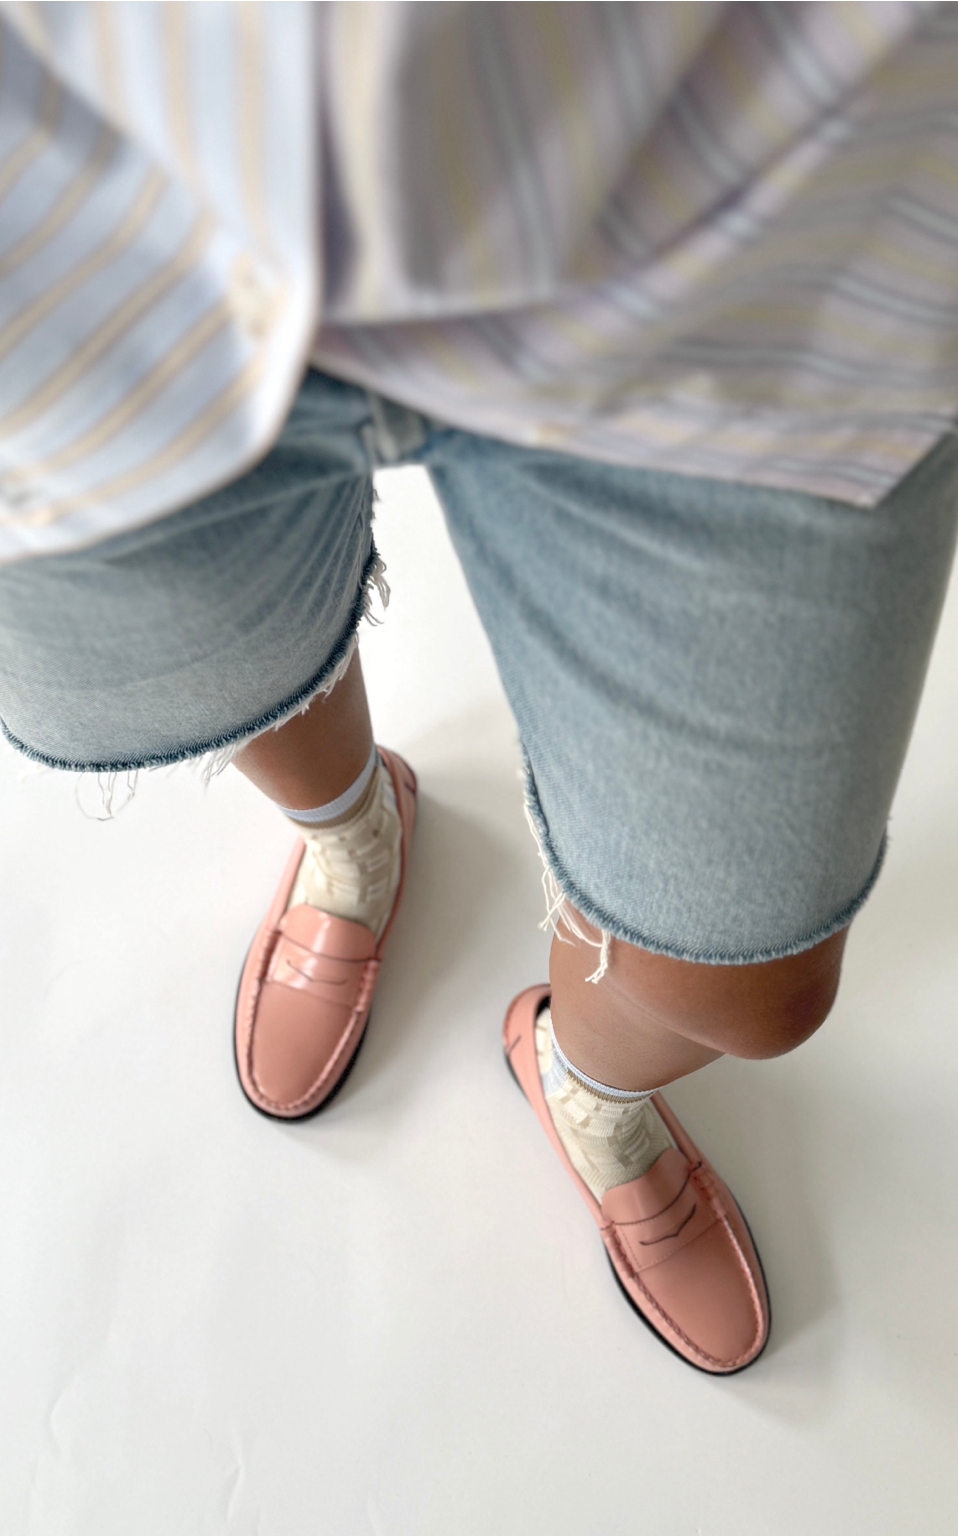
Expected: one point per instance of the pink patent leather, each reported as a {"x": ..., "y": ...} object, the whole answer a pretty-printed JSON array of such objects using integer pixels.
[
  {"x": 307, "y": 986},
  {"x": 323, "y": 955},
  {"x": 676, "y": 1238}
]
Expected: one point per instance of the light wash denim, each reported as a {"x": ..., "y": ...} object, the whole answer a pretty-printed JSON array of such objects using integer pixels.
[{"x": 714, "y": 684}]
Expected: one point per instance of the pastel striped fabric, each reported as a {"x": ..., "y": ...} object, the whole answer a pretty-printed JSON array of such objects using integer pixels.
[
  {"x": 157, "y": 255},
  {"x": 713, "y": 239}
]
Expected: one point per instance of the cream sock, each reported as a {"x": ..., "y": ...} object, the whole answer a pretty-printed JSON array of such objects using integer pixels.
[
  {"x": 610, "y": 1136},
  {"x": 353, "y": 862}
]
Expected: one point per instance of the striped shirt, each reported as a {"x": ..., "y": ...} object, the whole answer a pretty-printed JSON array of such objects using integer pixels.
[{"x": 712, "y": 239}]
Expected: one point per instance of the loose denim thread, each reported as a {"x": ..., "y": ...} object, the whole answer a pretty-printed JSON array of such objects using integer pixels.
[
  {"x": 211, "y": 764},
  {"x": 559, "y": 909},
  {"x": 107, "y": 784}
]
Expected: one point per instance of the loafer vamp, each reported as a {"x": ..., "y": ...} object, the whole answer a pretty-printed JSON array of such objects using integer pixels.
[
  {"x": 313, "y": 999},
  {"x": 681, "y": 1263},
  {"x": 307, "y": 986}
]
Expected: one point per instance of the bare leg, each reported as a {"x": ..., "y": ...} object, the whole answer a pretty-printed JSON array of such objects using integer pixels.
[
  {"x": 652, "y": 1019},
  {"x": 316, "y": 755}
]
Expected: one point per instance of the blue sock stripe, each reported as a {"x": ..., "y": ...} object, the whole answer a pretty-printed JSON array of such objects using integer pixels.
[
  {"x": 343, "y": 803},
  {"x": 558, "y": 1055}
]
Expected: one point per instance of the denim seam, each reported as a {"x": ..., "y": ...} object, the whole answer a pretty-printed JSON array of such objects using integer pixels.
[
  {"x": 604, "y": 920},
  {"x": 241, "y": 732}
]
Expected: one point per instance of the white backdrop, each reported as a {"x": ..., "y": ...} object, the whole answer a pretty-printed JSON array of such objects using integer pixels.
[{"x": 397, "y": 1319}]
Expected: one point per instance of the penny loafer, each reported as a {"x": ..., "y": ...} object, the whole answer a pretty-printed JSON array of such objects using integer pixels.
[
  {"x": 307, "y": 986},
  {"x": 677, "y": 1242}
]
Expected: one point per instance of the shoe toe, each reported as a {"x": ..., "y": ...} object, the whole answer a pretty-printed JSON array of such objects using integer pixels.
[
  {"x": 706, "y": 1294},
  {"x": 683, "y": 1256},
  {"x": 295, "y": 1046}
]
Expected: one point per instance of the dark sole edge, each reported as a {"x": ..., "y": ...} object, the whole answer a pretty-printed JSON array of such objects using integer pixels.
[
  {"x": 307, "y": 1113},
  {"x": 702, "y": 1369}
]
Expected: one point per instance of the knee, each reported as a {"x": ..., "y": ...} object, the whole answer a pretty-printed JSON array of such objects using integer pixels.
[
  {"x": 752, "y": 1011},
  {"x": 777, "y": 1022}
]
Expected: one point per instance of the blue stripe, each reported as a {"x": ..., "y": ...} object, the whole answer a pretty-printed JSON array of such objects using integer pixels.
[{"x": 537, "y": 235}]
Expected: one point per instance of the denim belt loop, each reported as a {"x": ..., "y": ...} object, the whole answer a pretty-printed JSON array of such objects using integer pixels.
[{"x": 394, "y": 435}]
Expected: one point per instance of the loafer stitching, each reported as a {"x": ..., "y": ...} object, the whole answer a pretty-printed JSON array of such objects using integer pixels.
[
  {"x": 611, "y": 1236},
  {"x": 650, "y": 1242},
  {"x": 639, "y": 1220},
  {"x": 679, "y": 1248},
  {"x": 704, "y": 1183},
  {"x": 358, "y": 1016},
  {"x": 360, "y": 1012},
  {"x": 696, "y": 1349}
]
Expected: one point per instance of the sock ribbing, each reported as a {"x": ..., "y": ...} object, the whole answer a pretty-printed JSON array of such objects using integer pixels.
[
  {"x": 561, "y": 1065},
  {"x": 610, "y": 1136}
]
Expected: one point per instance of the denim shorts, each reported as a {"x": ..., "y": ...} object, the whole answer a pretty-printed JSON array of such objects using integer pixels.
[{"x": 714, "y": 684}]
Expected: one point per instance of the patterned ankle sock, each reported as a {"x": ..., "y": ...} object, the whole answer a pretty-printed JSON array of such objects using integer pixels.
[
  {"x": 353, "y": 856},
  {"x": 610, "y": 1136}
]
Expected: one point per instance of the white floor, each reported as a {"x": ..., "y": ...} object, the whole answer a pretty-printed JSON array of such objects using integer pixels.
[{"x": 397, "y": 1320}]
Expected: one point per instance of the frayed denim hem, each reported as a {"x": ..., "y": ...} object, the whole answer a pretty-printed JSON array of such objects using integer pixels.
[
  {"x": 220, "y": 750},
  {"x": 562, "y": 892}
]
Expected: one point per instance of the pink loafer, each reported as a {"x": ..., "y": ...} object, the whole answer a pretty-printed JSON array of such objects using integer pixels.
[
  {"x": 306, "y": 988},
  {"x": 677, "y": 1242}
]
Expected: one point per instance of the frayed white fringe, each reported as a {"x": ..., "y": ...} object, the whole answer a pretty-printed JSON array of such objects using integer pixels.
[
  {"x": 559, "y": 909},
  {"x": 212, "y": 764}
]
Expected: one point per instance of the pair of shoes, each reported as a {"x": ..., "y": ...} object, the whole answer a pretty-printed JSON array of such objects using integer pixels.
[
  {"x": 677, "y": 1242},
  {"x": 307, "y": 986}
]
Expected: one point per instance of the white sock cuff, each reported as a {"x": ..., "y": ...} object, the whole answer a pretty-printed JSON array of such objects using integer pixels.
[
  {"x": 558, "y": 1054},
  {"x": 333, "y": 809}
]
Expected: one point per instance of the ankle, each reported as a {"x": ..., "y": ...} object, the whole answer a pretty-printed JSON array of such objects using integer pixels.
[
  {"x": 345, "y": 805},
  {"x": 611, "y": 1137},
  {"x": 352, "y": 865}
]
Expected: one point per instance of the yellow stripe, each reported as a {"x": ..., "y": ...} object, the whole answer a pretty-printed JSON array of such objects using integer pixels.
[
  {"x": 437, "y": 344},
  {"x": 769, "y": 391},
  {"x": 15, "y": 330},
  {"x": 859, "y": 22},
  {"x": 108, "y": 64},
  {"x": 176, "y": 77},
  {"x": 29, "y": 17},
  {"x": 250, "y": 124},
  {"x": 915, "y": 74},
  {"x": 736, "y": 441},
  {"x": 251, "y": 127},
  {"x": 51, "y": 101},
  {"x": 446, "y": 69},
  {"x": 152, "y": 384},
  {"x": 792, "y": 321},
  {"x": 746, "y": 101},
  {"x": 354, "y": 54},
  {"x": 660, "y": 428},
  {"x": 567, "y": 87},
  {"x": 62, "y": 212},
  {"x": 767, "y": 386},
  {"x": 577, "y": 122},
  {"x": 652, "y": 174},
  {"x": 172, "y": 454},
  {"x": 122, "y": 319}
]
